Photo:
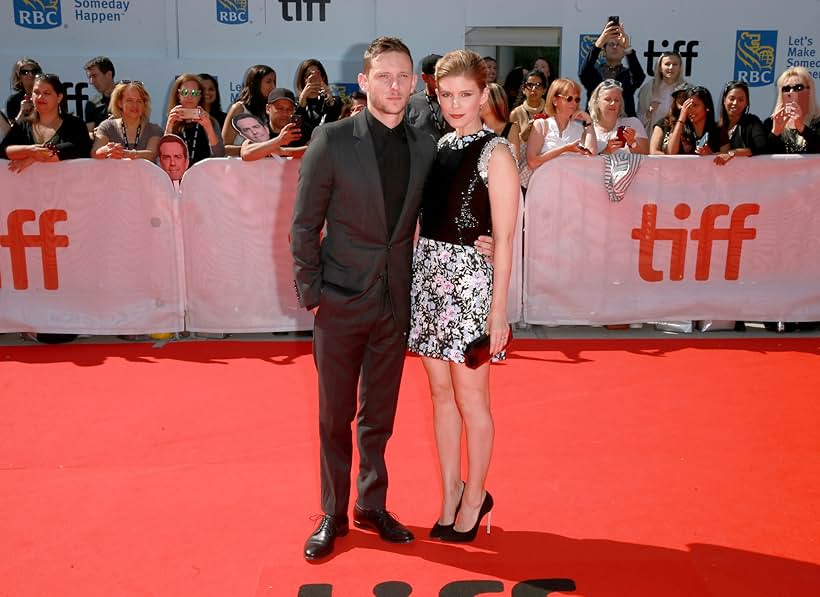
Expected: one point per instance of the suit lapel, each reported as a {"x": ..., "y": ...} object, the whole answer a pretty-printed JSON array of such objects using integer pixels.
[{"x": 366, "y": 154}]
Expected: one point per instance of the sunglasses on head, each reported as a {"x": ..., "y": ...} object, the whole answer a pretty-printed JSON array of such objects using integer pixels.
[
  {"x": 610, "y": 83},
  {"x": 789, "y": 88},
  {"x": 533, "y": 85},
  {"x": 29, "y": 71},
  {"x": 130, "y": 82},
  {"x": 191, "y": 92},
  {"x": 570, "y": 98}
]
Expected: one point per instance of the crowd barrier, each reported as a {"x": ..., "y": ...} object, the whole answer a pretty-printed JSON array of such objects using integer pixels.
[
  {"x": 109, "y": 247},
  {"x": 689, "y": 241}
]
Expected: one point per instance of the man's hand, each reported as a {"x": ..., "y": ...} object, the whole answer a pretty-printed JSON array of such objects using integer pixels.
[{"x": 486, "y": 246}]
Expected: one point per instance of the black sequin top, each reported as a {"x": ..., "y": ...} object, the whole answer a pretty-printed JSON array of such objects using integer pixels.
[{"x": 456, "y": 206}]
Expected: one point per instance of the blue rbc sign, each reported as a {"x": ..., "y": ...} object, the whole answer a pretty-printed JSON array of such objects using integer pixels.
[
  {"x": 755, "y": 53},
  {"x": 585, "y": 43},
  {"x": 37, "y": 14},
  {"x": 232, "y": 12}
]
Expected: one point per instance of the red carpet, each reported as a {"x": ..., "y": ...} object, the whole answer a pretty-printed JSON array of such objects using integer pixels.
[{"x": 640, "y": 468}]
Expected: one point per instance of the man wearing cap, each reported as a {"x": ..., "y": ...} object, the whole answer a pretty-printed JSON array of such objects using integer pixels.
[
  {"x": 289, "y": 134},
  {"x": 172, "y": 155},
  {"x": 423, "y": 110}
]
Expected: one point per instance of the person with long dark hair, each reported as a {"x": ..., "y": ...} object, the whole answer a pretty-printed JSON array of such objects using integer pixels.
[
  {"x": 189, "y": 120},
  {"x": 211, "y": 99},
  {"x": 317, "y": 103},
  {"x": 695, "y": 131},
  {"x": 260, "y": 80},
  {"x": 741, "y": 133}
]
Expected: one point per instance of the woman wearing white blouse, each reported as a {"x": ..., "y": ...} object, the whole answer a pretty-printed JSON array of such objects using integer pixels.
[
  {"x": 566, "y": 129},
  {"x": 614, "y": 131}
]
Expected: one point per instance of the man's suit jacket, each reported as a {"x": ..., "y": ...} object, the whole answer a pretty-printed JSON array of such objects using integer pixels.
[{"x": 349, "y": 268}]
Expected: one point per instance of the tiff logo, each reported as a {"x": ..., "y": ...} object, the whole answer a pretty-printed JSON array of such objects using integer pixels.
[
  {"x": 705, "y": 235},
  {"x": 686, "y": 55},
  {"x": 17, "y": 242},
  {"x": 297, "y": 5}
]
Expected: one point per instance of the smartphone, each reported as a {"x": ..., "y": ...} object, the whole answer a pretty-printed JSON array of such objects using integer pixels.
[
  {"x": 620, "y": 134},
  {"x": 190, "y": 113},
  {"x": 297, "y": 120},
  {"x": 703, "y": 141},
  {"x": 615, "y": 20}
]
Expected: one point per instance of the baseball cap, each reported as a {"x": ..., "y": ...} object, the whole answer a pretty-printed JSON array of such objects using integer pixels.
[
  {"x": 428, "y": 64},
  {"x": 281, "y": 93},
  {"x": 681, "y": 87}
]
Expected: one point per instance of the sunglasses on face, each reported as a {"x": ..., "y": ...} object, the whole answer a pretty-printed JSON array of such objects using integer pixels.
[
  {"x": 24, "y": 72},
  {"x": 570, "y": 98},
  {"x": 533, "y": 85},
  {"x": 191, "y": 92},
  {"x": 789, "y": 88}
]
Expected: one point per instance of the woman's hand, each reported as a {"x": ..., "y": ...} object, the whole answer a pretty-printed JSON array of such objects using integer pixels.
[
  {"x": 577, "y": 147},
  {"x": 18, "y": 166},
  {"x": 582, "y": 116},
  {"x": 630, "y": 135},
  {"x": 499, "y": 330},
  {"x": 722, "y": 159},
  {"x": 613, "y": 145},
  {"x": 795, "y": 114},
  {"x": 684, "y": 109},
  {"x": 112, "y": 151},
  {"x": 703, "y": 149}
]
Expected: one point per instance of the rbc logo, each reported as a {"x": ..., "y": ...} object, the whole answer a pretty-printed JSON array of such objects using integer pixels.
[
  {"x": 755, "y": 56},
  {"x": 37, "y": 14},
  {"x": 585, "y": 43},
  {"x": 232, "y": 12}
]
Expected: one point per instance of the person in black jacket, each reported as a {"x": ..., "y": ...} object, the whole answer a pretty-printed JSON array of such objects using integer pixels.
[
  {"x": 614, "y": 42},
  {"x": 740, "y": 132}
]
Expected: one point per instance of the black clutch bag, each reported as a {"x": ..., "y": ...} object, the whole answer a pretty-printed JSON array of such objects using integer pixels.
[{"x": 478, "y": 351}]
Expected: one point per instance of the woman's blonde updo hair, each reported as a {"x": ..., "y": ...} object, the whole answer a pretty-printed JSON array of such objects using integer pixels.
[{"x": 465, "y": 63}]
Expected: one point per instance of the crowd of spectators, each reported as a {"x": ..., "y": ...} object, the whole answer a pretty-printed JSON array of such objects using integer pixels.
[{"x": 538, "y": 112}]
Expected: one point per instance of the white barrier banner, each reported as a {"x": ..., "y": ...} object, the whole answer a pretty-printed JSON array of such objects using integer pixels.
[
  {"x": 89, "y": 247},
  {"x": 236, "y": 225},
  {"x": 690, "y": 241}
]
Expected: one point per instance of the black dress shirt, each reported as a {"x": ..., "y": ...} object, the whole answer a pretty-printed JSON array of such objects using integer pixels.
[{"x": 393, "y": 157}]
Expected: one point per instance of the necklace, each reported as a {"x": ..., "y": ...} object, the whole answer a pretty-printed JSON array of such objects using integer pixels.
[
  {"x": 192, "y": 142},
  {"x": 124, "y": 132},
  {"x": 39, "y": 128}
]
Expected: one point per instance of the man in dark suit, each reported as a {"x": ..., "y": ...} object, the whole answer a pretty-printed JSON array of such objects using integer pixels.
[{"x": 363, "y": 178}]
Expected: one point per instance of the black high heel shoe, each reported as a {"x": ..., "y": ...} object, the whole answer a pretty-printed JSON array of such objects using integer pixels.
[
  {"x": 438, "y": 530},
  {"x": 454, "y": 536}
]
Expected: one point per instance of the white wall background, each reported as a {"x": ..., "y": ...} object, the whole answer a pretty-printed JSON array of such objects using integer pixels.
[{"x": 154, "y": 40}]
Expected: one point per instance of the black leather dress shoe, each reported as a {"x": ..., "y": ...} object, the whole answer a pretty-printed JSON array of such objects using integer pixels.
[
  {"x": 320, "y": 543},
  {"x": 383, "y": 522}
]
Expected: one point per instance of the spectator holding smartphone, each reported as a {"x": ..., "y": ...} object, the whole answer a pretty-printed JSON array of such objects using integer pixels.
[
  {"x": 566, "y": 128},
  {"x": 289, "y": 133},
  {"x": 317, "y": 104},
  {"x": 695, "y": 131},
  {"x": 614, "y": 130},
  {"x": 19, "y": 105},
  {"x": 614, "y": 43},
  {"x": 794, "y": 126},
  {"x": 189, "y": 120}
]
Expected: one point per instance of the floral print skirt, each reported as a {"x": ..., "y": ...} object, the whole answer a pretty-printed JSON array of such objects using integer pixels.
[{"x": 449, "y": 299}]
